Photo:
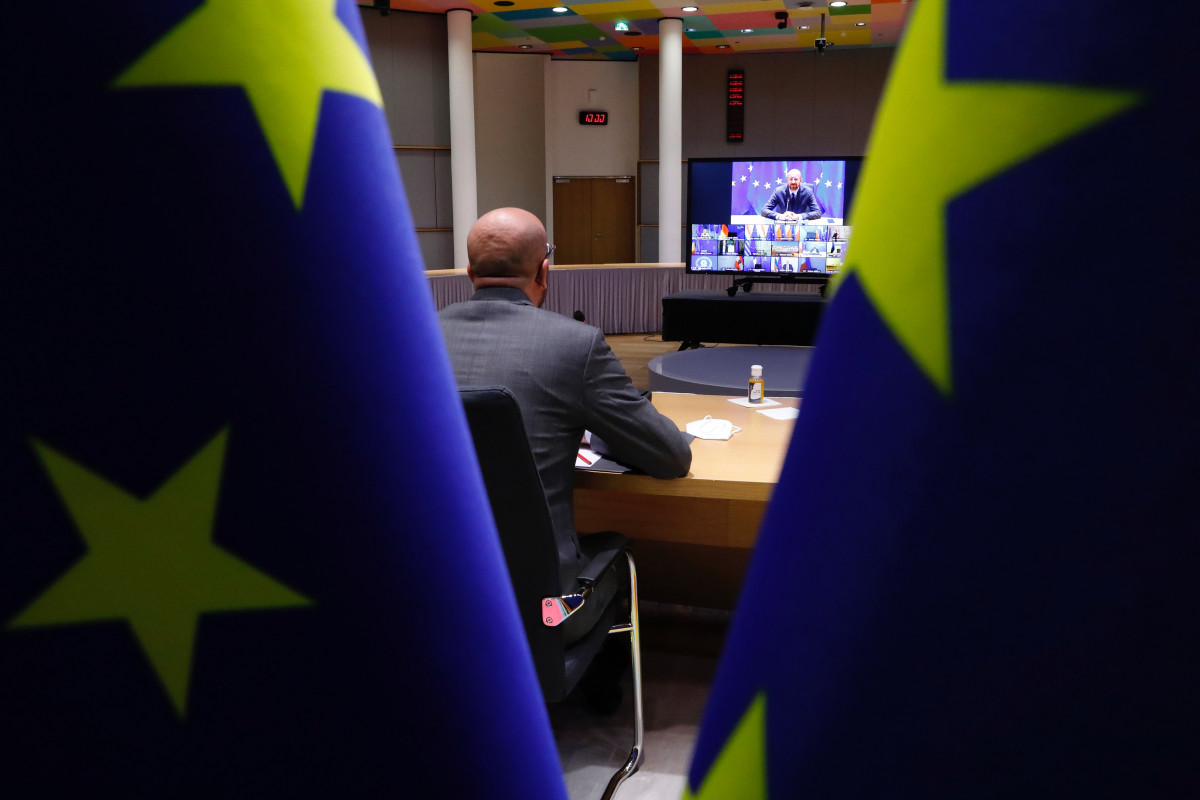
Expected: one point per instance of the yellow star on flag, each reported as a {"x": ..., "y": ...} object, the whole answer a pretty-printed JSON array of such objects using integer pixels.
[
  {"x": 933, "y": 140},
  {"x": 741, "y": 767},
  {"x": 285, "y": 55},
  {"x": 151, "y": 562}
]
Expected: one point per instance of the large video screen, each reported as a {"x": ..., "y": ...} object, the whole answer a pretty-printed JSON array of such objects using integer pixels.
[{"x": 774, "y": 218}]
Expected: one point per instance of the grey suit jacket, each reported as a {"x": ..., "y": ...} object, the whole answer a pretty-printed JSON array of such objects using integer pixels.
[{"x": 566, "y": 379}]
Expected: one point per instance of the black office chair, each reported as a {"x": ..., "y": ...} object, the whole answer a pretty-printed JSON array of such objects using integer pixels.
[{"x": 523, "y": 519}]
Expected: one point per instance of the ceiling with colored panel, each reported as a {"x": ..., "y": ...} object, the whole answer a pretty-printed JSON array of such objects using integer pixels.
[{"x": 621, "y": 30}]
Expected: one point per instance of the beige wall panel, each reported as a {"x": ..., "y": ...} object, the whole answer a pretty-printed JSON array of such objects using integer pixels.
[
  {"x": 408, "y": 52},
  {"x": 510, "y": 132}
]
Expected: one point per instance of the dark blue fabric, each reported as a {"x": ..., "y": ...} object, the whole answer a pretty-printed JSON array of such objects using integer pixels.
[
  {"x": 993, "y": 594},
  {"x": 159, "y": 286}
]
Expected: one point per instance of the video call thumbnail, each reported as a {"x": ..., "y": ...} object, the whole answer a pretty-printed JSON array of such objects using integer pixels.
[
  {"x": 784, "y": 248},
  {"x": 758, "y": 247}
]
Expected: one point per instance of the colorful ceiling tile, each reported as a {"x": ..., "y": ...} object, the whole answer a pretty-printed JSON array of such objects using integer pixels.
[
  {"x": 486, "y": 41},
  {"x": 564, "y": 33},
  {"x": 857, "y": 8},
  {"x": 755, "y": 21},
  {"x": 592, "y": 29}
]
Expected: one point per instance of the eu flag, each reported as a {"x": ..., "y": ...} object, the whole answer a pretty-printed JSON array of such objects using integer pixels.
[
  {"x": 245, "y": 549},
  {"x": 978, "y": 577}
]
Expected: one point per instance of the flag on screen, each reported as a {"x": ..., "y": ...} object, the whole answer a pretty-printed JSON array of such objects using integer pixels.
[
  {"x": 245, "y": 549},
  {"x": 981, "y": 580},
  {"x": 753, "y": 183},
  {"x": 828, "y": 182}
]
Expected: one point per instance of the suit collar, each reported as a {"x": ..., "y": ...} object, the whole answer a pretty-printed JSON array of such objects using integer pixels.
[{"x": 504, "y": 293}]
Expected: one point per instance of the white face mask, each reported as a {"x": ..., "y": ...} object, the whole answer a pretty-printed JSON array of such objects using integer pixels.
[{"x": 709, "y": 428}]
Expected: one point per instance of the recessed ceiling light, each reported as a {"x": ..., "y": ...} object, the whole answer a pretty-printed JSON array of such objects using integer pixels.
[
  {"x": 801, "y": 27},
  {"x": 526, "y": 47},
  {"x": 747, "y": 30},
  {"x": 635, "y": 48},
  {"x": 722, "y": 47},
  {"x": 560, "y": 9},
  {"x": 859, "y": 24},
  {"x": 690, "y": 30},
  {"x": 837, "y": 3},
  {"x": 690, "y": 8}
]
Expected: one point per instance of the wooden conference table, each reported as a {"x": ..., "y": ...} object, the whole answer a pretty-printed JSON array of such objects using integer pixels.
[{"x": 693, "y": 535}]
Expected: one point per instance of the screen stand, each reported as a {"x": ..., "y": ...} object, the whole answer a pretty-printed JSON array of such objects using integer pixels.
[{"x": 745, "y": 283}]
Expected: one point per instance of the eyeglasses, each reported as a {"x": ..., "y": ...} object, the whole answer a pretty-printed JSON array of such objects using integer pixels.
[{"x": 550, "y": 248}]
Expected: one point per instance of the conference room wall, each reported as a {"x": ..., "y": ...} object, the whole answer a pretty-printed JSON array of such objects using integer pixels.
[
  {"x": 577, "y": 150},
  {"x": 648, "y": 206},
  {"x": 510, "y": 131},
  {"x": 409, "y": 52},
  {"x": 797, "y": 103},
  {"x": 520, "y": 102}
]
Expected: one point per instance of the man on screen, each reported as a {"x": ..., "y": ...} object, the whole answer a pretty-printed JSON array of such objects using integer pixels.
[{"x": 793, "y": 202}]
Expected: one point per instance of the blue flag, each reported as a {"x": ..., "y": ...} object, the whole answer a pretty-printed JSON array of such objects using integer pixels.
[
  {"x": 245, "y": 549},
  {"x": 978, "y": 577}
]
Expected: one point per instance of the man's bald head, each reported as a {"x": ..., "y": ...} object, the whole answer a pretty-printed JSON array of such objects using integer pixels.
[{"x": 506, "y": 243}]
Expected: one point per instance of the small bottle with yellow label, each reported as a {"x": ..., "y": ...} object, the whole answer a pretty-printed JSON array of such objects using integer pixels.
[{"x": 757, "y": 389}]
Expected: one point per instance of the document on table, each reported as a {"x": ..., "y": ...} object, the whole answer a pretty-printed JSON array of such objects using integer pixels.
[
  {"x": 589, "y": 459},
  {"x": 741, "y": 401},
  {"x": 780, "y": 413}
]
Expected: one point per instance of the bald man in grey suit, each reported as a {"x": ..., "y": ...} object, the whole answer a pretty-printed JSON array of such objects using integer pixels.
[{"x": 562, "y": 372}]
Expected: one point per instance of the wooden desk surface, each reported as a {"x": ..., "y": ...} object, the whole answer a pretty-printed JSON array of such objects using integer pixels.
[
  {"x": 693, "y": 536},
  {"x": 744, "y": 467}
]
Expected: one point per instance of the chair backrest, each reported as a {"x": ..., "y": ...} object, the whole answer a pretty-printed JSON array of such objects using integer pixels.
[{"x": 522, "y": 517}]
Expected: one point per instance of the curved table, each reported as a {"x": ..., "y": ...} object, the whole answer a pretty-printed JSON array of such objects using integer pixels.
[{"x": 725, "y": 370}]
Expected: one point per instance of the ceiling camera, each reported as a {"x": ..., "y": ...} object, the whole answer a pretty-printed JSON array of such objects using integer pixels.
[{"x": 821, "y": 45}]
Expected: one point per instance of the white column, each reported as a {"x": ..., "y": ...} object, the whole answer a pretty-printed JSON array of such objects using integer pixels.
[
  {"x": 462, "y": 131},
  {"x": 670, "y": 139}
]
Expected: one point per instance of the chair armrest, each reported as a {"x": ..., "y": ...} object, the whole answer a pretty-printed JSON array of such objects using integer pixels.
[{"x": 611, "y": 546}]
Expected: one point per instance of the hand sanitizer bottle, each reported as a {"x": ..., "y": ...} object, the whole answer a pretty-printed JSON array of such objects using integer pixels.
[{"x": 757, "y": 389}]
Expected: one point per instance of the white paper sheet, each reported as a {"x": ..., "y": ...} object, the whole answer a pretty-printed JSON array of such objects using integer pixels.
[{"x": 741, "y": 401}]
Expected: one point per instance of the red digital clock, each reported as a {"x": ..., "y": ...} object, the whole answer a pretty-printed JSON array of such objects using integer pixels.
[{"x": 593, "y": 117}]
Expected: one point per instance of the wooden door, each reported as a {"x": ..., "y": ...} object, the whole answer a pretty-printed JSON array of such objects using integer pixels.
[
  {"x": 594, "y": 220},
  {"x": 612, "y": 220},
  {"x": 573, "y": 220}
]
